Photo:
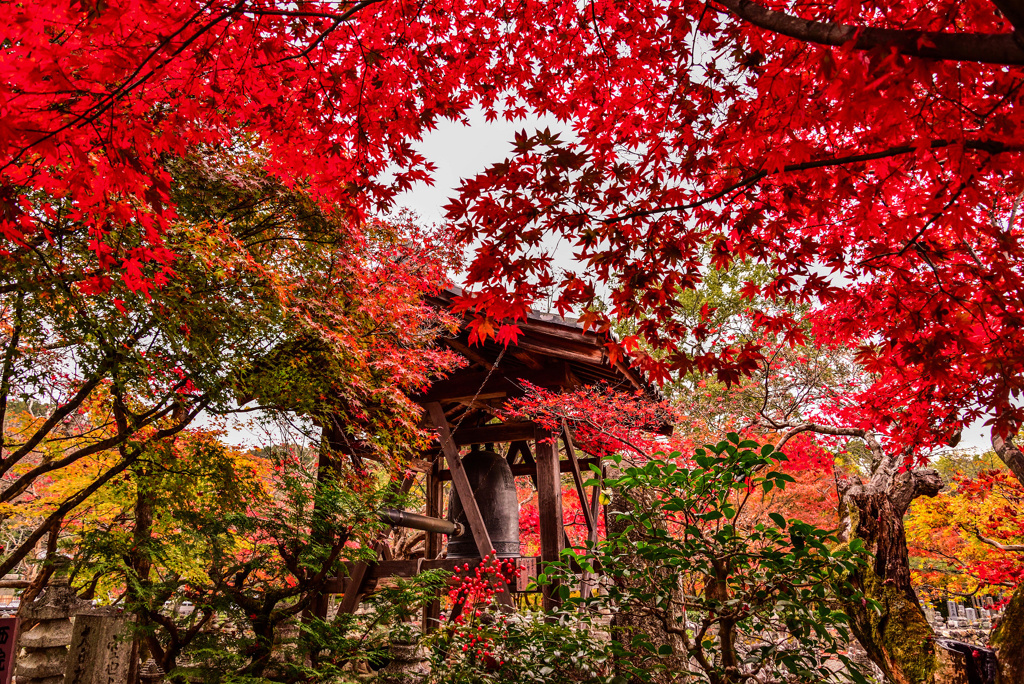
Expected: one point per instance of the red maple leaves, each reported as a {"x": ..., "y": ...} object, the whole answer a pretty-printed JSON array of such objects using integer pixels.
[{"x": 870, "y": 155}]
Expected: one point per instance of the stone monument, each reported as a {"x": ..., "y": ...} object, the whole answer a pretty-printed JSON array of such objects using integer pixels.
[
  {"x": 45, "y": 644},
  {"x": 409, "y": 663},
  {"x": 101, "y": 648}
]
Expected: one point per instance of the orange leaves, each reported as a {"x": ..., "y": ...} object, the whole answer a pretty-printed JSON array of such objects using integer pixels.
[{"x": 955, "y": 534}]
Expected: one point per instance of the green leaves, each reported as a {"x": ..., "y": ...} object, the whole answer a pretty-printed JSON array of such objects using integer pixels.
[{"x": 702, "y": 537}]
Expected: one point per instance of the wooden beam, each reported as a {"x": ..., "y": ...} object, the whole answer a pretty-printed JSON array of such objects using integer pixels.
[
  {"x": 594, "y": 356},
  {"x": 577, "y": 476},
  {"x": 549, "y": 508},
  {"x": 498, "y": 433},
  {"x": 514, "y": 451},
  {"x": 361, "y": 570},
  {"x": 527, "y": 358},
  {"x": 354, "y": 589},
  {"x": 528, "y": 459},
  {"x": 595, "y": 499},
  {"x": 466, "y": 496},
  {"x": 460, "y": 480},
  {"x": 524, "y": 469},
  {"x": 465, "y": 389},
  {"x": 562, "y": 330},
  {"x": 464, "y": 386},
  {"x": 468, "y": 353}
]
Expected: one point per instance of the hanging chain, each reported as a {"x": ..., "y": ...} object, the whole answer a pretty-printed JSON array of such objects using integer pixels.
[{"x": 480, "y": 389}]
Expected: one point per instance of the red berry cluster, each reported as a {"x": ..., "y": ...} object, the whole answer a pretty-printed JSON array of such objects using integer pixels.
[{"x": 476, "y": 592}]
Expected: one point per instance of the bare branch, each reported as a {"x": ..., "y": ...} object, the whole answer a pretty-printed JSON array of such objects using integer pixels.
[
  {"x": 818, "y": 429},
  {"x": 1015, "y": 548},
  {"x": 986, "y": 48},
  {"x": 977, "y": 145}
]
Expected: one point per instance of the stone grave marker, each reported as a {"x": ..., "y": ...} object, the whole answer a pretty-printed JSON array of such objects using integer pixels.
[
  {"x": 44, "y": 647},
  {"x": 972, "y": 615},
  {"x": 101, "y": 648}
]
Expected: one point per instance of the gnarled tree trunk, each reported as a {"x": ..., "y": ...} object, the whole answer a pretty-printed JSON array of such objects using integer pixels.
[
  {"x": 1008, "y": 636},
  {"x": 897, "y": 638},
  {"x": 1008, "y": 640}
]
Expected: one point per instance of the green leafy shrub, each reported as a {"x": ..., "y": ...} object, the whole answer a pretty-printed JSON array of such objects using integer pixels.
[{"x": 743, "y": 592}]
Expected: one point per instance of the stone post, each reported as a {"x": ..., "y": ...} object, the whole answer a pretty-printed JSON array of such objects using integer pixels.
[
  {"x": 101, "y": 649},
  {"x": 45, "y": 645},
  {"x": 409, "y": 663},
  {"x": 151, "y": 673}
]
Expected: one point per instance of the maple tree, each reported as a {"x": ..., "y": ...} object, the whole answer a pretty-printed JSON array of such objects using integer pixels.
[
  {"x": 855, "y": 151},
  {"x": 199, "y": 537},
  {"x": 868, "y": 152},
  {"x": 143, "y": 541},
  {"x": 274, "y": 309},
  {"x": 966, "y": 540}
]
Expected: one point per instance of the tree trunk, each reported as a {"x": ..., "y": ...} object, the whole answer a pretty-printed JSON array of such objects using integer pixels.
[
  {"x": 898, "y": 637},
  {"x": 1008, "y": 636},
  {"x": 140, "y": 564},
  {"x": 626, "y": 624},
  {"x": 1008, "y": 640}
]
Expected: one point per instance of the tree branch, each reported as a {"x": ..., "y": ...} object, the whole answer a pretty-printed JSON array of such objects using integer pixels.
[
  {"x": 1016, "y": 548},
  {"x": 910, "y": 485},
  {"x": 18, "y": 486},
  {"x": 819, "y": 429},
  {"x": 1008, "y": 452},
  {"x": 1013, "y": 10},
  {"x": 986, "y": 48},
  {"x": 73, "y": 502},
  {"x": 55, "y": 418},
  {"x": 8, "y": 367},
  {"x": 988, "y": 146}
]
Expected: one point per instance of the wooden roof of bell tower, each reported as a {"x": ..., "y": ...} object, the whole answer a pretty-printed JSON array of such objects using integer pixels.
[{"x": 552, "y": 352}]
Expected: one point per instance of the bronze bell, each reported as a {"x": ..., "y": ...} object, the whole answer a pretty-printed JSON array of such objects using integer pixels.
[{"x": 491, "y": 479}]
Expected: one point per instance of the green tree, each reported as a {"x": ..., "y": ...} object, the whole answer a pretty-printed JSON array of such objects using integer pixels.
[
  {"x": 275, "y": 305},
  {"x": 748, "y": 597}
]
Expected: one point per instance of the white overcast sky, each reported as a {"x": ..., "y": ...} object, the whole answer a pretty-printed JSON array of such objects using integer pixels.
[{"x": 462, "y": 151}]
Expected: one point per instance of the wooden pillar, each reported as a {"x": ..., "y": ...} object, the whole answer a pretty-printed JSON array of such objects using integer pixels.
[
  {"x": 434, "y": 493},
  {"x": 577, "y": 477},
  {"x": 589, "y": 580},
  {"x": 549, "y": 508},
  {"x": 432, "y": 546}
]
